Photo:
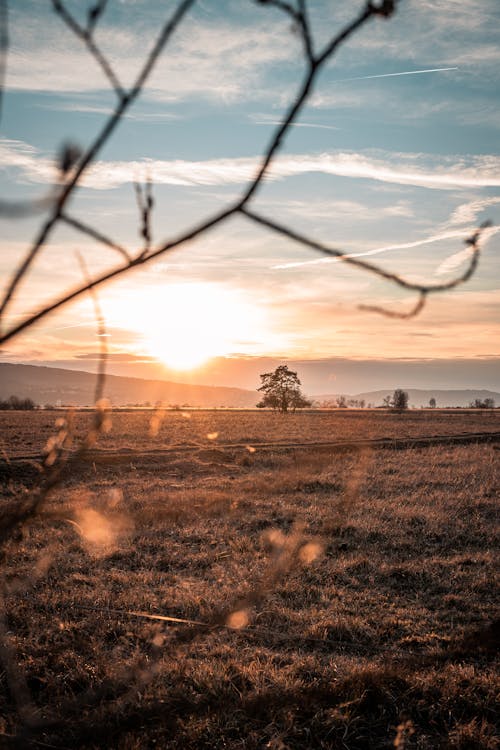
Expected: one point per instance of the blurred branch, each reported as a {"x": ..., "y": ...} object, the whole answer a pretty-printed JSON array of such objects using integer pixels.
[
  {"x": 95, "y": 234},
  {"x": 59, "y": 461},
  {"x": 145, "y": 203},
  {"x": 86, "y": 35},
  {"x": 102, "y": 335},
  {"x": 422, "y": 289}
]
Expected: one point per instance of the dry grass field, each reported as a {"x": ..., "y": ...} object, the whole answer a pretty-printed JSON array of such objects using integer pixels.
[
  {"x": 25, "y": 433},
  {"x": 342, "y": 599}
]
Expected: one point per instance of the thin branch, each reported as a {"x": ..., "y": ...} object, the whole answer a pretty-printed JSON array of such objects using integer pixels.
[
  {"x": 86, "y": 36},
  {"x": 304, "y": 92},
  {"x": 95, "y": 234},
  {"x": 103, "y": 345},
  {"x": 419, "y": 305},
  {"x": 386, "y": 8},
  {"x": 145, "y": 204},
  {"x": 93, "y": 15},
  {"x": 108, "y": 275},
  {"x": 59, "y": 460},
  {"x": 303, "y": 20},
  {"x": 422, "y": 289}
]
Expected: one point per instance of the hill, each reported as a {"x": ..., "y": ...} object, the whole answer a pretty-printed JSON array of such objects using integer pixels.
[
  {"x": 418, "y": 397},
  {"x": 51, "y": 385}
]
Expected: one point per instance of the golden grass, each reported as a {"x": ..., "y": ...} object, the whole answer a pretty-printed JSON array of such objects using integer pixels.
[
  {"x": 24, "y": 433},
  {"x": 359, "y": 590}
]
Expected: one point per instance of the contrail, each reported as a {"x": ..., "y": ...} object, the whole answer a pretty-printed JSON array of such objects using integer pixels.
[{"x": 390, "y": 75}]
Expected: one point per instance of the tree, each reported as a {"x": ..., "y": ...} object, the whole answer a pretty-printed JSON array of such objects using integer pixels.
[
  {"x": 399, "y": 400},
  {"x": 281, "y": 390},
  {"x": 432, "y": 403},
  {"x": 488, "y": 403}
]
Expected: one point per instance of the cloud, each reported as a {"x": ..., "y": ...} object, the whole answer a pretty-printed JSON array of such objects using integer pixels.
[
  {"x": 76, "y": 105},
  {"x": 466, "y": 171},
  {"x": 211, "y": 60},
  {"x": 467, "y": 213}
]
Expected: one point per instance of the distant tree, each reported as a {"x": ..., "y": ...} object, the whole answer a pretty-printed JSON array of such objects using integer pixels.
[
  {"x": 399, "y": 401},
  {"x": 341, "y": 402},
  {"x": 432, "y": 403},
  {"x": 387, "y": 402},
  {"x": 281, "y": 390},
  {"x": 16, "y": 403},
  {"x": 488, "y": 403}
]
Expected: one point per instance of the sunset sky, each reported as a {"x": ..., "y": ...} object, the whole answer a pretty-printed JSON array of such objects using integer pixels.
[{"x": 394, "y": 158}]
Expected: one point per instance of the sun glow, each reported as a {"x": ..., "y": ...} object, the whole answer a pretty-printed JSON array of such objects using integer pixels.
[{"x": 185, "y": 325}]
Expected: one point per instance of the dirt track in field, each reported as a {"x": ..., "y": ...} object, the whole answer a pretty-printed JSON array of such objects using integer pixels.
[{"x": 219, "y": 451}]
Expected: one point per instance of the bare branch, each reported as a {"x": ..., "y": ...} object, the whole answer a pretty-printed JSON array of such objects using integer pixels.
[
  {"x": 108, "y": 275},
  {"x": 419, "y": 305},
  {"x": 93, "y": 15},
  {"x": 59, "y": 460},
  {"x": 303, "y": 19},
  {"x": 299, "y": 18},
  {"x": 302, "y": 96},
  {"x": 103, "y": 345},
  {"x": 422, "y": 289},
  {"x": 95, "y": 234},
  {"x": 145, "y": 203},
  {"x": 86, "y": 36}
]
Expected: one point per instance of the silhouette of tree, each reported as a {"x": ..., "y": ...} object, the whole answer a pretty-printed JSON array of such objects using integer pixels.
[
  {"x": 432, "y": 403},
  {"x": 282, "y": 391},
  {"x": 399, "y": 400}
]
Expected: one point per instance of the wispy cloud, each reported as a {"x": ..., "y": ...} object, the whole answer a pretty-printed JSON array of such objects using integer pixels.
[
  {"x": 473, "y": 171},
  {"x": 220, "y": 60},
  {"x": 467, "y": 213},
  {"x": 75, "y": 105}
]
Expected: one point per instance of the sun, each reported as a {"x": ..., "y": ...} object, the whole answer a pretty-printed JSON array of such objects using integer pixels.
[{"x": 185, "y": 324}]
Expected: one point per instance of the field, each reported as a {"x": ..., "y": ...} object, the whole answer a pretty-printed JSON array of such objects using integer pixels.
[
  {"x": 25, "y": 433},
  {"x": 335, "y": 598}
]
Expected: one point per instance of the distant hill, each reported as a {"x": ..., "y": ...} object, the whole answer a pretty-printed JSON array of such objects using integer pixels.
[
  {"x": 51, "y": 385},
  {"x": 417, "y": 397}
]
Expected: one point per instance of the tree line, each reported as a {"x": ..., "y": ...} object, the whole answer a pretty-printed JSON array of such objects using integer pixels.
[{"x": 20, "y": 404}]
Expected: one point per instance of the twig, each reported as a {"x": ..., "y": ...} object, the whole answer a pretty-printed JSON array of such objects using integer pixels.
[
  {"x": 95, "y": 234},
  {"x": 86, "y": 36},
  {"x": 145, "y": 203},
  {"x": 103, "y": 346},
  {"x": 422, "y": 289}
]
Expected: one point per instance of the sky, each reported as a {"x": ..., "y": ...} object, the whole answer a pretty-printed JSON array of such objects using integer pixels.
[{"x": 394, "y": 159}]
